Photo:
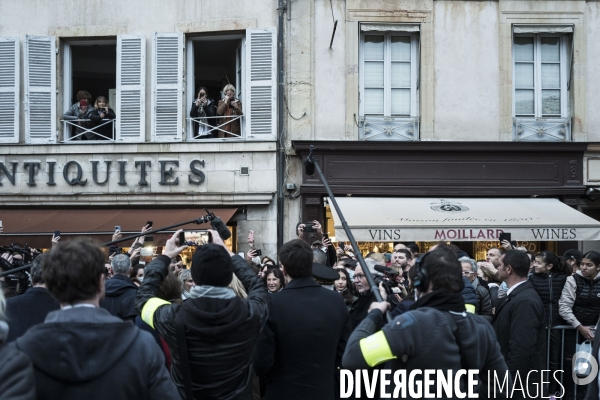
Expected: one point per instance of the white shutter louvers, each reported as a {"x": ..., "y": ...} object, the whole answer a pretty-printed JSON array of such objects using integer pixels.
[
  {"x": 131, "y": 87},
  {"x": 262, "y": 94},
  {"x": 9, "y": 89},
  {"x": 40, "y": 86},
  {"x": 167, "y": 97}
]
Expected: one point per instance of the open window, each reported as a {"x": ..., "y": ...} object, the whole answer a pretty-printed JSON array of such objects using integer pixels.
[
  {"x": 389, "y": 82},
  {"x": 90, "y": 66},
  {"x": 542, "y": 57},
  {"x": 247, "y": 61}
]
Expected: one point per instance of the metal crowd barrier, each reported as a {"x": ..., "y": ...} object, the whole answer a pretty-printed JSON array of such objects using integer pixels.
[
  {"x": 69, "y": 124},
  {"x": 565, "y": 375}
]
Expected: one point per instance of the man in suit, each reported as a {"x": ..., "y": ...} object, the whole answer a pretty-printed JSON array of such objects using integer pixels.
[
  {"x": 519, "y": 321},
  {"x": 32, "y": 307},
  {"x": 302, "y": 343}
]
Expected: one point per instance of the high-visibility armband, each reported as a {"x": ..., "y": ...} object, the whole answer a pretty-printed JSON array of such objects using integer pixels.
[
  {"x": 470, "y": 308},
  {"x": 149, "y": 308},
  {"x": 375, "y": 349}
]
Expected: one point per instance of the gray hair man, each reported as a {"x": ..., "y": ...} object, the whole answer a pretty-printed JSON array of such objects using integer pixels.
[
  {"x": 483, "y": 306},
  {"x": 120, "y": 290}
]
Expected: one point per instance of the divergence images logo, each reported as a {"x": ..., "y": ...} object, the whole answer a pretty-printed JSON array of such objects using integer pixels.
[{"x": 446, "y": 206}]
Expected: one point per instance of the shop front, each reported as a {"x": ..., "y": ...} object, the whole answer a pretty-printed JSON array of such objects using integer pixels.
[
  {"x": 90, "y": 190},
  {"x": 467, "y": 193}
]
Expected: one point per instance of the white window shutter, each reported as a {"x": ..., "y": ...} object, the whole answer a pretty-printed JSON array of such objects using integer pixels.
[
  {"x": 167, "y": 87},
  {"x": 261, "y": 84},
  {"x": 9, "y": 89},
  {"x": 131, "y": 88},
  {"x": 40, "y": 89}
]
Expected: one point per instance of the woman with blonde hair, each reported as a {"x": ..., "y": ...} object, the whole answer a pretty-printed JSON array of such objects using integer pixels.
[
  {"x": 230, "y": 108},
  {"x": 101, "y": 113}
]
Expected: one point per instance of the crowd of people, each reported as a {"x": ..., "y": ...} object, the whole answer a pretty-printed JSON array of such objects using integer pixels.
[
  {"x": 216, "y": 119},
  {"x": 233, "y": 327}
]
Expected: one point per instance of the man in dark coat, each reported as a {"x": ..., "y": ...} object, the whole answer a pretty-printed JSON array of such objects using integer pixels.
[
  {"x": 32, "y": 307},
  {"x": 303, "y": 341},
  {"x": 219, "y": 329},
  {"x": 81, "y": 350},
  {"x": 519, "y": 321},
  {"x": 120, "y": 290}
]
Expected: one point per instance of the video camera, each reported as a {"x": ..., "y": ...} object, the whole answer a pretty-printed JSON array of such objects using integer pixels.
[
  {"x": 389, "y": 280},
  {"x": 19, "y": 280}
]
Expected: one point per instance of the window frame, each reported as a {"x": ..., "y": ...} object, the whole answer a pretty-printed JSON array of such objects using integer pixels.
[
  {"x": 564, "y": 75},
  {"x": 414, "y": 80}
]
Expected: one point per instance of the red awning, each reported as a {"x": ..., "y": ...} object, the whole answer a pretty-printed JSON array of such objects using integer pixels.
[{"x": 36, "y": 227}]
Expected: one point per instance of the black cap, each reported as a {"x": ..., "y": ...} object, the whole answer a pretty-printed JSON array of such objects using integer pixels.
[
  {"x": 573, "y": 254},
  {"x": 324, "y": 274},
  {"x": 211, "y": 265}
]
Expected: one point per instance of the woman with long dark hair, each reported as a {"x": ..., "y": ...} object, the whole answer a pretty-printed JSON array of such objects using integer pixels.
[{"x": 344, "y": 287}]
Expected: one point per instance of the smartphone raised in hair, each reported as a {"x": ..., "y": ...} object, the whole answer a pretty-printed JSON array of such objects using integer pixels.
[
  {"x": 341, "y": 245},
  {"x": 56, "y": 233},
  {"x": 118, "y": 228},
  {"x": 181, "y": 238},
  {"x": 258, "y": 252},
  {"x": 504, "y": 236},
  {"x": 149, "y": 223},
  {"x": 308, "y": 227}
]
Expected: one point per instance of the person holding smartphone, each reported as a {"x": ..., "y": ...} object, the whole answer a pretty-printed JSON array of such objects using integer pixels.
[
  {"x": 203, "y": 107},
  {"x": 229, "y": 107},
  {"x": 99, "y": 116}
]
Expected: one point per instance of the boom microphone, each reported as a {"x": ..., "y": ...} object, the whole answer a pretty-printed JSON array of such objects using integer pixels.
[
  {"x": 309, "y": 163},
  {"x": 385, "y": 270},
  {"x": 219, "y": 226}
]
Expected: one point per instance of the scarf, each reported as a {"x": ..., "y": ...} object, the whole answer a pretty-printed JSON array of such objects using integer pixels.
[
  {"x": 441, "y": 300},
  {"x": 214, "y": 292}
]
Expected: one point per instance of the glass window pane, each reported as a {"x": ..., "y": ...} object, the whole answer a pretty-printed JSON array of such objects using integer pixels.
[
  {"x": 523, "y": 49},
  {"x": 400, "y": 48},
  {"x": 551, "y": 76},
  {"x": 373, "y": 101},
  {"x": 373, "y": 47},
  {"x": 550, "y": 49},
  {"x": 524, "y": 104},
  {"x": 523, "y": 75},
  {"x": 400, "y": 74},
  {"x": 550, "y": 102},
  {"x": 373, "y": 74},
  {"x": 401, "y": 101}
]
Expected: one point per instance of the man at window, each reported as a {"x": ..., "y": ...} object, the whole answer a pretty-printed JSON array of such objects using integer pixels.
[
  {"x": 81, "y": 111},
  {"x": 230, "y": 108}
]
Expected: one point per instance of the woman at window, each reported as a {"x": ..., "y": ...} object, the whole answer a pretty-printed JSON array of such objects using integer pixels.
[
  {"x": 99, "y": 116},
  {"x": 274, "y": 280},
  {"x": 230, "y": 108},
  {"x": 203, "y": 107},
  {"x": 81, "y": 111}
]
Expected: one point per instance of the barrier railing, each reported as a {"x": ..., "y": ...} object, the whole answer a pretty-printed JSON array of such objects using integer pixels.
[
  {"x": 205, "y": 129},
  {"x": 86, "y": 129}
]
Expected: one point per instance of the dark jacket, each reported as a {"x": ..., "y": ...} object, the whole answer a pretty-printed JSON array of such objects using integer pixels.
[
  {"x": 27, "y": 310},
  {"x": 303, "y": 341},
  {"x": 120, "y": 297},
  {"x": 221, "y": 333},
  {"x": 105, "y": 130},
  {"x": 468, "y": 292},
  {"x": 359, "y": 309},
  {"x": 484, "y": 303},
  {"x": 549, "y": 288},
  {"x": 423, "y": 339},
  {"x": 520, "y": 328},
  {"x": 17, "y": 380},
  {"x": 82, "y": 352},
  {"x": 207, "y": 110}
]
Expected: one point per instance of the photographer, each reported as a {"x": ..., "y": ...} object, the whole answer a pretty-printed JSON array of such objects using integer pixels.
[
  {"x": 213, "y": 321},
  {"x": 229, "y": 107},
  {"x": 203, "y": 107}
]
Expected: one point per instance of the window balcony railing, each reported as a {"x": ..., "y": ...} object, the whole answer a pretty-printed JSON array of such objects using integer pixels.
[
  {"x": 201, "y": 127},
  {"x": 389, "y": 128},
  {"x": 541, "y": 129},
  {"x": 84, "y": 129}
]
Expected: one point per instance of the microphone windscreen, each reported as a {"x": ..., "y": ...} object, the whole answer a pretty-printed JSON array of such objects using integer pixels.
[
  {"x": 385, "y": 270},
  {"x": 219, "y": 226},
  {"x": 309, "y": 166}
]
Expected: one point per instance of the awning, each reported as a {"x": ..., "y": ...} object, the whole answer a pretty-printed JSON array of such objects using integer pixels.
[
  {"x": 36, "y": 227},
  {"x": 430, "y": 219}
]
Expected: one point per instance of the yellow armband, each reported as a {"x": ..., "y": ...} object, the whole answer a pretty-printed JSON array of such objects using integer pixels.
[
  {"x": 375, "y": 349},
  {"x": 150, "y": 307}
]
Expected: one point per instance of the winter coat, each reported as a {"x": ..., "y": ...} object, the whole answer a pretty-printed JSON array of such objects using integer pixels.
[
  {"x": 29, "y": 309},
  {"x": 82, "y": 352},
  {"x": 207, "y": 110},
  {"x": 228, "y": 114},
  {"x": 119, "y": 299},
  {"x": 220, "y": 333},
  {"x": 468, "y": 293},
  {"x": 580, "y": 300},
  {"x": 484, "y": 303},
  {"x": 74, "y": 113},
  {"x": 105, "y": 130},
  {"x": 549, "y": 288},
  {"x": 17, "y": 380}
]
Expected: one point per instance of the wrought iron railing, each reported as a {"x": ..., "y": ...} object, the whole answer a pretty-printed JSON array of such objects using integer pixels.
[
  {"x": 208, "y": 130},
  {"x": 84, "y": 129}
]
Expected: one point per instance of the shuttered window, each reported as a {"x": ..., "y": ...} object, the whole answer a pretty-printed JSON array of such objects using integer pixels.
[
  {"x": 9, "y": 89},
  {"x": 40, "y": 89},
  {"x": 131, "y": 88},
  {"x": 167, "y": 87}
]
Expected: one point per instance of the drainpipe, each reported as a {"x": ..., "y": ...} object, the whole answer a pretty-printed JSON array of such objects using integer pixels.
[{"x": 281, "y": 8}]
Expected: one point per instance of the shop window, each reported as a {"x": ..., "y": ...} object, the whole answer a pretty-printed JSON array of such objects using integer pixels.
[
  {"x": 389, "y": 82},
  {"x": 246, "y": 61},
  {"x": 541, "y": 76},
  {"x": 89, "y": 66}
]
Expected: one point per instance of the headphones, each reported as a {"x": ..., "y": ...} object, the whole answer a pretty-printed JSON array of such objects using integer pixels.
[{"x": 421, "y": 281}]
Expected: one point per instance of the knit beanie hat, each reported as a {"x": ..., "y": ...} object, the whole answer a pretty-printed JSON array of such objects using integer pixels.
[{"x": 211, "y": 265}]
